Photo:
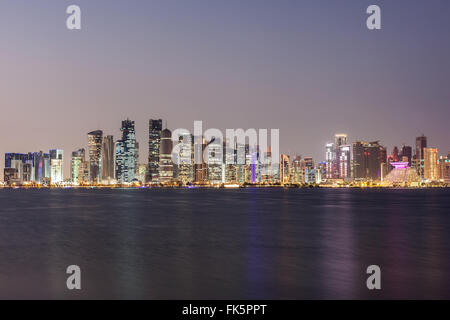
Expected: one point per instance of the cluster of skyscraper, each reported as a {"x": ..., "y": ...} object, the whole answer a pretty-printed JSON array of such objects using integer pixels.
[
  {"x": 370, "y": 161},
  {"x": 34, "y": 167},
  {"x": 117, "y": 162}
]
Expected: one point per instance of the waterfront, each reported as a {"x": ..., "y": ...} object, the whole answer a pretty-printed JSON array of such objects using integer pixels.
[{"x": 224, "y": 244}]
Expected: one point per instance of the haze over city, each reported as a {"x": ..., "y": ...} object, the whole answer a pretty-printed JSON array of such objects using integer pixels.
[{"x": 309, "y": 69}]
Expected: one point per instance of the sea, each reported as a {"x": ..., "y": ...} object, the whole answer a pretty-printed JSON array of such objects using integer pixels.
[{"x": 250, "y": 243}]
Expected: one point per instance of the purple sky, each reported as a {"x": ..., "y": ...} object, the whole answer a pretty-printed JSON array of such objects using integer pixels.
[{"x": 310, "y": 68}]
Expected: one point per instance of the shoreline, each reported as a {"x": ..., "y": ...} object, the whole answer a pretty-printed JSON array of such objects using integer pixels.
[{"x": 222, "y": 187}]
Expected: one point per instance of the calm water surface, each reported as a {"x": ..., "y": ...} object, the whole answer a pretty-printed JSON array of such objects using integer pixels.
[{"x": 224, "y": 244}]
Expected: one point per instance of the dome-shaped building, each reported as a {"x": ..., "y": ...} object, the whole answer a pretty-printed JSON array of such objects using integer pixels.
[{"x": 401, "y": 175}]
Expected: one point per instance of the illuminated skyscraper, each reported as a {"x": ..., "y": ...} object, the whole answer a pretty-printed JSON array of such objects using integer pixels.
[
  {"x": 22, "y": 164},
  {"x": 330, "y": 159},
  {"x": 79, "y": 168},
  {"x": 366, "y": 160},
  {"x": 184, "y": 166},
  {"x": 214, "y": 154},
  {"x": 430, "y": 164},
  {"x": 296, "y": 170},
  {"x": 95, "y": 144},
  {"x": 231, "y": 174},
  {"x": 165, "y": 157},
  {"x": 41, "y": 164},
  {"x": 284, "y": 169},
  {"x": 421, "y": 144},
  {"x": 444, "y": 169},
  {"x": 154, "y": 143},
  {"x": 338, "y": 158},
  {"x": 200, "y": 166},
  {"x": 126, "y": 153},
  {"x": 108, "y": 151},
  {"x": 345, "y": 171},
  {"x": 141, "y": 173},
  {"x": 309, "y": 171},
  {"x": 56, "y": 166}
]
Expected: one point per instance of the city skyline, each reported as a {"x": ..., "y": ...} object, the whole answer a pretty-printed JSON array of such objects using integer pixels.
[
  {"x": 117, "y": 161},
  {"x": 309, "y": 69}
]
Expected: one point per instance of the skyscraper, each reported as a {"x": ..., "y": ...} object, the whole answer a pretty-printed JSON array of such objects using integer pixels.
[
  {"x": 406, "y": 154},
  {"x": 421, "y": 143},
  {"x": 444, "y": 168},
  {"x": 95, "y": 142},
  {"x": 309, "y": 170},
  {"x": 154, "y": 142},
  {"x": 165, "y": 157},
  {"x": 17, "y": 161},
  {"x": 345, "y": 169},
  {"x": 338, "y": 158},
  {"x": 366, "y": 160},
  {"x": 215, "y": 161},
  {"x": 430, "y": 164},
  {"x": 126, "y": 153},
  {"x": 330, "y": 160},
  {"x": 79, "y": 168},
  {"x": 108, "y": 159},
  {"x": 284, "y": 169},
  {"x": 56, "y": 166},
  {"x": 185, "y": 167},
  {"x": 41, "y": 164},
  {"x": 296, "y": 170}
]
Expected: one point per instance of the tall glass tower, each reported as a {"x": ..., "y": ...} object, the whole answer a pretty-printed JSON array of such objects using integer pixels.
[
  {"x": 154, "y": 143},
  {"x": 108, "y": 159},
  {"x": 95, "y": 140},
  {"x": 126, "y": 153},
  {"x": 56, "y": 166}
]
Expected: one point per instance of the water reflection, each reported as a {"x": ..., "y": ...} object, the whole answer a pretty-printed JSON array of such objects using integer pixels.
[{"x": 224, "y": 244}]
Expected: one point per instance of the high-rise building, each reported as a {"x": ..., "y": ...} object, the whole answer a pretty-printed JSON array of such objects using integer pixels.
[
  {"x": 215, "y": 161},
  {"x": 338, "y": 158},
  {"x": 421, "y": 144},
  {"x": 444, "y": 169},
  {"x": 296, "y": 170},
  {"x": 344, "y": 157},
  {"x": 406, "y": 154},
  {"x": 309, "y": 170},
  {"x": 366, "y": 160},
  {"x": 41, "y": 164},
  {"x": 200, "y": 164},
  {"x": 154, "y": 143},
  {"x": 430, "y": 164},
  {"x": 284, "y": 169},
  {"x": 108, "y": 150},
  {"x": 330, "y": 160},
  {"x": 165, "y": 157},
  {"x": 95, "y": 143},
  {"x": 184, "y": 167},
  {"x": 395, "y": 157},
  {"x": 141, "y": 173},
  {"x": 230, "y": 155},
  {"x": 79, "y": 167},
  {"x": 56, "y": 166},
  {"x": 14, "y": 161},
  {"x": 126, "y": 153}
]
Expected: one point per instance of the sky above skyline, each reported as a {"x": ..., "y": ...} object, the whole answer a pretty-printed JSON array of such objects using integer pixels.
[{"x": 309, "y": 68}]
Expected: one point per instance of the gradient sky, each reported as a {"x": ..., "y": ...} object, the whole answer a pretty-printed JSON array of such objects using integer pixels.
[{"x": 310, "y": 68}]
